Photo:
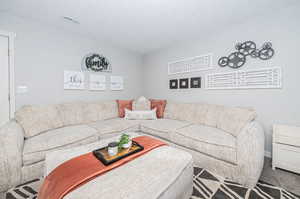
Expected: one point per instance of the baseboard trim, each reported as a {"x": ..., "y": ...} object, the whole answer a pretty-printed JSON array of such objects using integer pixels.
[{"x": 268, "y": 154}]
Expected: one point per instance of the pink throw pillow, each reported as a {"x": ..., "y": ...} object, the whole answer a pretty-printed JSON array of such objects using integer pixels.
[
  {"x": 160, "y": 106},
  {"x": 122, "y": 105}
]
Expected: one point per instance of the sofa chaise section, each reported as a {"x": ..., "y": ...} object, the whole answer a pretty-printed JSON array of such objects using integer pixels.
[
  {"x": 226, "y": 140},
  {"x": 207, "y": 140}
]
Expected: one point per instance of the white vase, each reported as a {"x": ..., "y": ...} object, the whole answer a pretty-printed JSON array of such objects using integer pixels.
[{"x": 128, "y": 145}]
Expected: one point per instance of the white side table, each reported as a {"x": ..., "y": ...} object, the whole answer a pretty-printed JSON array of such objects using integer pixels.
[{"x": 286, "y": 148}]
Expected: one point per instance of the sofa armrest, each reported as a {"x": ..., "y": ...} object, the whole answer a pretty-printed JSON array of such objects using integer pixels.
[
  {"x": 250, "y": 153},
  {"x": 11, "y": 142}
]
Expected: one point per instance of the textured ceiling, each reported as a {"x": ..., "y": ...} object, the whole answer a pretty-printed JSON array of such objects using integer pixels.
[{"x": 143, "y": 25}]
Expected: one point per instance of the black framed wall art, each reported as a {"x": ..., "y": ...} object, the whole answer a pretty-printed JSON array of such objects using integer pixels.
[
  {"x": 173, "y": 83},
  {"x": 195, "y": 82},
  {"x": 184, "y": 83}
]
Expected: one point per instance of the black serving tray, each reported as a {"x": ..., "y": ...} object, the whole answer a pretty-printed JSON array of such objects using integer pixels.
[{"x": 102, "y": 153}]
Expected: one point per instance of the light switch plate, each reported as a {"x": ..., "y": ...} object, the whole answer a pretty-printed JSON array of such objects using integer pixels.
[{"x": 22, "y": 89}]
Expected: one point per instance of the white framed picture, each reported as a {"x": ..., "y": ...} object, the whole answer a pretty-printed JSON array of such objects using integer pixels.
[
  {"x": 73, "y": 80},
  {"x": 97, "y": 82},
  {"x": 116, "y": 83}
]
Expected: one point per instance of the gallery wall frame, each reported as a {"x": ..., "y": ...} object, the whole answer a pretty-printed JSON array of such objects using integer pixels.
[
  {"x": 74, "y": 80},
  {"x": 184, "y": 83},
  {"x": 97, "y": 82},
  {"x": 260, "y": 78},
  {"x": 173, "y": 83},
  {"x": 195, "y": 82},
  {"x": 116, "y": 83},
  {"x": 191, "y": 64}
]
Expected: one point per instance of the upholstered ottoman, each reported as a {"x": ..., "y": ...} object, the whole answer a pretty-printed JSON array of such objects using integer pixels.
[{"x": 164, "y": 173}]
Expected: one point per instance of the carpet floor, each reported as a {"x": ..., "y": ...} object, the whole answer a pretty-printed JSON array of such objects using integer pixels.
[{"x": 206, "y": 186}]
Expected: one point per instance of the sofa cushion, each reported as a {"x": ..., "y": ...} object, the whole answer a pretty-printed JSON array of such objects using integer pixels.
[
  {"x": 99, "y": 110},
  {"x": 36, "y": 147},
  {"x": 192, "y": 112},
  {"x": 162, "y": 127},
  {"x": 36, "y": 119},
  {"x": 112, "y": 127},
  {"x": 207, "y": 140},
  {"x": 174, "y": 110},
  {"x": 141, "y": 104},
  {"x": 109, "y": 109},
  {"x": 94, "y": 111},
  {"x": 232, "y": 120},
  {"x": 72, "y": 113},
  {"x": 212, "y": 114}
]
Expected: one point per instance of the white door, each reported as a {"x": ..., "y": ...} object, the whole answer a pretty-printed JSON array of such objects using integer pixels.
[{"x": 4, "y": 80}]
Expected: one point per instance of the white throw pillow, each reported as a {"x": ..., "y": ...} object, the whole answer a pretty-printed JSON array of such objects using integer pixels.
[
  {"x": 140, "y": 115},
  {"x": 141, "y": 104}
]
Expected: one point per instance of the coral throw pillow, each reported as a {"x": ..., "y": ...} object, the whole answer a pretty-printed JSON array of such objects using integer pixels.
[
  {"x": 160, "y": 106},
  {"x": 122, "y": 104}
]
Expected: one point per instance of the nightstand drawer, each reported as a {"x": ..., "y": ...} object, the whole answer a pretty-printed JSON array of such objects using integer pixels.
[
  {"x": 286, "y": 157},
  {"x": 283, "y": 139},
  {"x": 286, "y": 134}
]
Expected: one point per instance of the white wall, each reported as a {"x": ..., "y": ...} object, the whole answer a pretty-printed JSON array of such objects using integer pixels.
[
  {"x": 42, "y": 53},
  {"x": 282, "y": 28}
]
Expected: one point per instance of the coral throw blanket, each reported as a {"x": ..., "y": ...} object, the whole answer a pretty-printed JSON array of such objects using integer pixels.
[{"x": 78, "y": 171}]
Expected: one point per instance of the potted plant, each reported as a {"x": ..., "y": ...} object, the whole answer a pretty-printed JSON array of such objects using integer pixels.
[{"x": 125, "y": 142}]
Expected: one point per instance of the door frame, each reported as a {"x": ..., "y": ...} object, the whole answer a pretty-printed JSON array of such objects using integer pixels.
[{"x": 11, "y": 67}]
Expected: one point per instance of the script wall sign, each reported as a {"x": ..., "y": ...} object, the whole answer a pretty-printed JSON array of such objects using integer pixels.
[{"x": 96, "y": 63}]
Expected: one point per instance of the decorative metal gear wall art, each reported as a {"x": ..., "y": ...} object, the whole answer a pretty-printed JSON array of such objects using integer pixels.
[
  {"x": 96, "y": 63},
  {"x": 248, "y": 48}
]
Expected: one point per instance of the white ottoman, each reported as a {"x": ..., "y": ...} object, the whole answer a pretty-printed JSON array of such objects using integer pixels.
[{"x": 163, "y": 173}]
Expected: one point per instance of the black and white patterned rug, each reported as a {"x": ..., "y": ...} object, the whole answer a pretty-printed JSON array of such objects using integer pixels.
[{"x": 206, "y": 186}]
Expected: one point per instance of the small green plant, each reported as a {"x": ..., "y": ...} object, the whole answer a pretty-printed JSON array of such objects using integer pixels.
[{"x": 124, "y": 140}]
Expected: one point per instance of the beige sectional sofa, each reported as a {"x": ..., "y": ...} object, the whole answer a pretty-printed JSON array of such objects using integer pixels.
[{"x": 225, "y": 140}]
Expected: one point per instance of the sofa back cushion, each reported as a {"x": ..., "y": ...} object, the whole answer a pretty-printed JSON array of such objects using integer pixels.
[
  {"x": 37, "y": 119},
  {"x": 86, "y": 112},
  {"x": 109, "y": 109},
  {"x": 192, "y": 112},
  {"x": 212, "y": 114},
  {"x": 228, "y": 119},
  {"x": 72, "y": 113},
  {"x": 232, "y": 120},
  {"x": 172, "y": 110}
]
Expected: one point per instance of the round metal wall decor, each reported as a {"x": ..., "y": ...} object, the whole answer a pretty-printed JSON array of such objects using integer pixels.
[
  {"x": 245, "y": 49},
  {"x": 96, "y": 63},
  {"x": 236, "y": 60},
  {"x": 223, "y": 61}
]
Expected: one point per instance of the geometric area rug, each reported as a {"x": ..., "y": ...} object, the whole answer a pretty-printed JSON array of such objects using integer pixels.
[{"x": 206, "y": 186}]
